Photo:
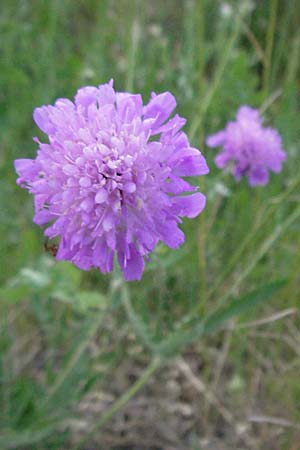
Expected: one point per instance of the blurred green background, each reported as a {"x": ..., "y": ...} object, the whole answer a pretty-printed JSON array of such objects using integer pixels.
[{"x": 68, "y": 349}]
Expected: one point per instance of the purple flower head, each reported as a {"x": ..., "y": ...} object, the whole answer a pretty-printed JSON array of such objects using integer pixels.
[
  {"x": 252, "y": 148},
  {"x": 110, "y": 179}
]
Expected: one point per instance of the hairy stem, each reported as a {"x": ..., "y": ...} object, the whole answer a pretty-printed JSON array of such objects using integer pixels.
[{"x": 123, "y": 400}]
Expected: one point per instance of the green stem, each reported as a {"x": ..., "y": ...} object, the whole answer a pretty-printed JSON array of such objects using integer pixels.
[
  {"x": 12, "y": 440},
  {"x": 216, "y": 80},
  {"x": 265, "y": 247},
  {"x": 137, "y": 324},
  {"x": 293, "y": 65},
  {"x": 133, "y": 47},
  {"x": 202, "y": 225},
  {"x": 269, "y": 46},
  {"x": 186, "y": 336},
  {"x": 261, "y": 219},
  {"x": 74, "y": 358},
  {"x": 141, "y": 330},
  {"x": 278, "y": 60},
  {"x": 269, "y": 101},
  {"x": 123, "y": 400}
]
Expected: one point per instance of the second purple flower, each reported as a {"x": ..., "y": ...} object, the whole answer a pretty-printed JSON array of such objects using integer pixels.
[{"x": 252, "y": 149}]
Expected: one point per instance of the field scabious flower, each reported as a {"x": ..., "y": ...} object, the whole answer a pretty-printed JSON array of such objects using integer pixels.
[
  {"x": 110, "y": 179},
  {"x": 252, "y": 148}
]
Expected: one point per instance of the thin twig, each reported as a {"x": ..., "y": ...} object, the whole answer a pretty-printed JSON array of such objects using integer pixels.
[
  {"x": 223, "y": 356},
  {"x": 269, "y": 101},
  {"x": 266, "y": 320},
  {"x": 200, "y": 387},
  {"x": 286, "y": 339},
  {"x": 265, "y": 247},
  {"x": 216, "y": 80},
  {"x": 132, "y": 51},
  {"x": 273, "y": 421},
  {"x": 252, "y": 39},
  {"x": 122, "y": 401},
  {"x": 269, "y": 44}
]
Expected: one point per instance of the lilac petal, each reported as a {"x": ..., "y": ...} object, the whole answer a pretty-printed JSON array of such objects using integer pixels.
[
  {"x": 222, "y": 160},
  {"x": 275, "y": 164},
  {"x": 106, "y": 94},
  {"x": 63, "y": 252},
  {"x": 176, "y": 185},
  {"x": 147, "y": 239},
  {"x": 101, "y": 196},
  {"x": 129, "y": 187},
  {"x": 111, "y": 239},
  {"x": 42, "y": 217},
  {"x": 85, "y": 182},
  {"x": 40, "y": 186},
  {"x": 107, "y": 261},
  {"x": 39, "y": 201},
  {"x": 216, "y": 139},
  {"x": 64, "y": 103},
  {"x": 108, "y": 221},
  {"x": 189, "y": 162},
  {"x": 173, "y": 125},
  {"x": 171, "y": 235},
  {"x": 238, "y": 171},
  {"x": 258, "y": 175},
  {"x": 160, "y": 152},
  {"x": 180, "y": 140},
  {"x": 248, "y": 114},
  {"x": 190, "y": 205},
  {"x": 82, "y": 261},
  {"x": 86, "y": 96},
  {"x": 133, "y": 266},
  {"x": 41, "y": 118},
  {"x": 103, "y": 256},
  {"x": 87, "y": 204},
  {"x": 26, "y": 168},
  {"x": 159, "y": 108},
  {"x": 129, "y": 106},
  {"x": 98, "y": 251}
]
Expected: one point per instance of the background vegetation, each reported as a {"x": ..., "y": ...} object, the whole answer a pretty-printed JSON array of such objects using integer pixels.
[{"x": 73, "y": 342}]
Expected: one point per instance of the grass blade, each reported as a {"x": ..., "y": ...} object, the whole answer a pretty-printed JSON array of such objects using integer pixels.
[{"x": 178, "y": 340}]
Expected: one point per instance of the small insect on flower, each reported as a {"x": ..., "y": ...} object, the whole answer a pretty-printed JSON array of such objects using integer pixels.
[
  {"x": 110, "y": 179},
  {"x": 50, "y": 247},
  {"x": 252, "y": 148}
]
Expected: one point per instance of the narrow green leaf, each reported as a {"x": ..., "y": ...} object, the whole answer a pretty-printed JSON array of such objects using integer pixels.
[
  {"x": 12, "y": 439},
  {"x": 14, "y": 294},
  {"x": 65, "y": 376},
  {"x": 242, "y": 305},
  {"x": 85, "y": 300},
  {"x": 139, "y": 326},
  {"x": 178, "y": 340}
]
